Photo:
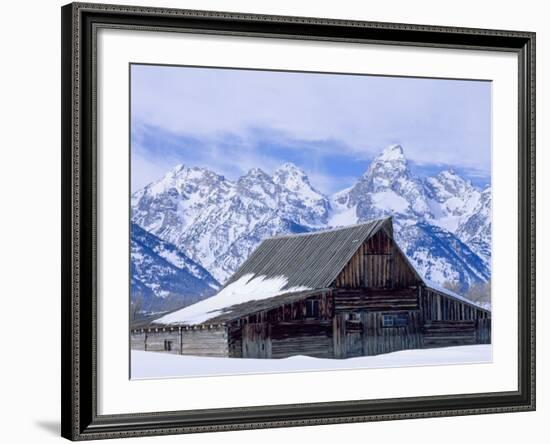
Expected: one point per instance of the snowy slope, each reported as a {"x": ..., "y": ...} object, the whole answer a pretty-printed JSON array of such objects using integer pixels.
[
  {"x": 163, "y": 278},
  {"x": 439, "y": 255},
  {"x": 146, "y": 364},
  {"x": 456, "y": 197},
  {"x": 475, "y": 230},
  {"x": 245, "y": 289}
]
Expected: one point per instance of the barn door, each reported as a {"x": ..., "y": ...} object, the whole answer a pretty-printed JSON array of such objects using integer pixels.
[
  {"x": 347, "y": 335},
  {"x": 354, "y": 336},
  {"x": 256, "y": 341}
]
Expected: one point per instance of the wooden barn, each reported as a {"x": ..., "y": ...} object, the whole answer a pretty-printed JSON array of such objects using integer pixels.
[{"x": 332, "y": 294}]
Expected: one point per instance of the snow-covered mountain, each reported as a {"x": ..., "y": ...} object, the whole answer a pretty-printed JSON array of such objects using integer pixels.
[
  {"x": 443, "y": 222},
  {"x": 439, "y": 255},
  {"x": 162, "y": 277},
  {"x": 218, "y": 222},
  {"x": 475, "y": 229},
  {"x": 387, "y": 187},
  {"x": 457, "y": 198}
]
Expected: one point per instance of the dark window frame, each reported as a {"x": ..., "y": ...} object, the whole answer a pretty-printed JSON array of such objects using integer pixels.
[{"x": 312, "y": 308}]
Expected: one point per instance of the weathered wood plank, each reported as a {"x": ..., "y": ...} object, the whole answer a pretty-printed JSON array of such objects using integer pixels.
[{"x": 339, "y": 335}]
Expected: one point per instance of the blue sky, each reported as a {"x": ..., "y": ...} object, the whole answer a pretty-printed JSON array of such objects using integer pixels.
[{"x": 330, "y": 125}]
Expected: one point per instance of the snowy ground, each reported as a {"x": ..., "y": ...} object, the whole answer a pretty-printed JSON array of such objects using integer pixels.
[{"x": 163, "y": 365}]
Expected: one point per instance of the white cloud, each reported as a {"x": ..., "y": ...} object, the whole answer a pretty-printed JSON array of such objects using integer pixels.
[{"x": 438, "y": 121}]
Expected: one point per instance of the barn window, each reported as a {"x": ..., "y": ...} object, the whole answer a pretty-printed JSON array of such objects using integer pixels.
[
  {"x": 167, "y": 345},
  {"x": 312, "y": 308},
  {"x": 395, "y": 320}
]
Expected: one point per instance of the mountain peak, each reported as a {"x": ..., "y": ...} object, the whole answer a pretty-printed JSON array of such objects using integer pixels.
[
  {"x": 449, "y": 172},
  {"x": 392, "y": 152},
  {"x": 388, "y": 166},
  {"x": 291, "y": 168},
  {"x": 177, "y": 169},
  {"x": 182, "y": 170},
  {"x": 289, "y": 172},
  {"x": 256, "y": 173},
  {"x": 184, "y": 174},
  {"x": 293, "y": 178}
]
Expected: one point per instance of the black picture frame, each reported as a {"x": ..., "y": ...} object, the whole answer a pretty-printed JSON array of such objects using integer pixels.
[{"x": 79, "y": 174}]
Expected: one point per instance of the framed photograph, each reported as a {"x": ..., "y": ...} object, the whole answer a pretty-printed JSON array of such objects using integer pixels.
[{"x": 275, "y": 221}]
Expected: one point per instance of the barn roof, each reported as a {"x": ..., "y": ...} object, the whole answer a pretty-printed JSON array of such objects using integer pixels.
[
  {"x": 292, "y": 265},
  {"x": 285, "y": 269},
  {"x": 239, "y": 310},
  {"x": 311, "y": 260},
  {"x": 451, "y": 294}
]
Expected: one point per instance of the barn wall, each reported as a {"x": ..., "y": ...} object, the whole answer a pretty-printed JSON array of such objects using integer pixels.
[
  {"x": 284, "y": 339},
  {"x": 247, "y": 334},
  {"x": 379, "y": 339},
  {"x": 155, "y": 340},
  {"x": 437, "y": 306},
  {"x": 377, "y": 263},
  {"x": 290, "y": 329},
  {"x": 256, "y": 340},
  {"x": 361, "y": 299},
  {"x": 234, "y": 338},
  {"x": 363, "y": 333},
  {"x": 311, "y": 338},
  {"x": 137, "y": 341},
  {"x": 449, "y": 322},
  {"x": 483, "y": 331},
  {"x": 206, "y": 341},
  {"x": 353, "y": 274},
  {"x": 449, "y": 333}
]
